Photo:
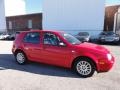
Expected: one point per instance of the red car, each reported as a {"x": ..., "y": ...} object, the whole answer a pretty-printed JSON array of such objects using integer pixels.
[{"x": 62, "y": 49}]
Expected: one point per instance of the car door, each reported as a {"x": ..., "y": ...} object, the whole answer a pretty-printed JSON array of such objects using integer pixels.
[
  {"x": 52, "y": 52},
  {"x": 32, "y": 45}
]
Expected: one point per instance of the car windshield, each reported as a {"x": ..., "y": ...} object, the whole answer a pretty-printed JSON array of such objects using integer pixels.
[
  {"x": 71, "y": 39},
  {"x": 83, "y": 34},
  {"x": 107, "y": 33}
]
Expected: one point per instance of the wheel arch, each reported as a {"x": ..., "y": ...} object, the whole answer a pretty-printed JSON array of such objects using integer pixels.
[
  {"x": 25, "y": 56},
  {"x": 90, "y": 58},
  {"x": 17, "y": 50}
]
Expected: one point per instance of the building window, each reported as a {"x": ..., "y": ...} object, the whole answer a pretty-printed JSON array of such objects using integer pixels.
[
  {"x": 30, "y": 24},
  {"x": 10, "y": 25}
]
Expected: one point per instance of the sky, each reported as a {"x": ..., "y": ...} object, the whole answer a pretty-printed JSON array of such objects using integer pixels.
[
  {"x": 33, "y": 6},
  {"x": 112, "y": 2}
]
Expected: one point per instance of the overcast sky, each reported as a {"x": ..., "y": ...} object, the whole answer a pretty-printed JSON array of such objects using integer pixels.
[
  {"x": 17, "y": 7},
  {"x": 112, "y": 2},
  {"x": 33, "y": 6}
]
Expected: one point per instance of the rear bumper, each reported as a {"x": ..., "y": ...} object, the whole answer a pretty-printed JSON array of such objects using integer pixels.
[{"x": 106, "y": 65}]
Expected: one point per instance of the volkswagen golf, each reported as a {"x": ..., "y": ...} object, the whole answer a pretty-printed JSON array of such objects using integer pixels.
[{"x": 62, "y": 49}]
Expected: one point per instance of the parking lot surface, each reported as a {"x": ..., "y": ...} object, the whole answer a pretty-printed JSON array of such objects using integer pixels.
[{"x": 34, "y": 76}]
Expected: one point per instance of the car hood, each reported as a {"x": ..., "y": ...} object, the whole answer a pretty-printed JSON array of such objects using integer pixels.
[{"x": 93, "y": 47}]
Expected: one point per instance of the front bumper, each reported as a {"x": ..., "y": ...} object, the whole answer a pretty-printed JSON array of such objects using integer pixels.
[
  {"x": 105, "y": 65},
  {"x": 109, "y": 40}
]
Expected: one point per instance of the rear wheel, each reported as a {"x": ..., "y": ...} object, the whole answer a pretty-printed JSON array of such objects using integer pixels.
[
  {"x": 84, "y": 67},
  {"x": 20, "y": 57}
]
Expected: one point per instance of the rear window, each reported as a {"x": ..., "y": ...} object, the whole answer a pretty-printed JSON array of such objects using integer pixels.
[
  {"x": 83, "y": 34},
  {"x": 32, "y": 37}
]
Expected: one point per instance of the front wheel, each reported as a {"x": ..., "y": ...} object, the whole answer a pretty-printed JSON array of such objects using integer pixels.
[
  {"x": 20, "y": 57},
  {"x": 84, "y": 67}
]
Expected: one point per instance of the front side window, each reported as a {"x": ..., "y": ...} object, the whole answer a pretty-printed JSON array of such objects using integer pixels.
[
  {"x": 51, "y": 39},
  {"x": 33, "y": 37}
]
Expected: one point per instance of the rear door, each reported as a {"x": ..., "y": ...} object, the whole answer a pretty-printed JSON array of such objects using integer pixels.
[{"x": 32, "y": 45}]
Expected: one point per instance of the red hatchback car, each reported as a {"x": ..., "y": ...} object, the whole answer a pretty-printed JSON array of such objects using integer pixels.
[{"x": 62, "y": 49}]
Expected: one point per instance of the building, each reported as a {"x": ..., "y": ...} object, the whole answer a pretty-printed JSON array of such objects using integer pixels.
[
  {"x": 112, "y": 18},
  {"x": 24, "y": 22},
  {"x": 74, "y": 16},
  {"x": 9, "y": 8},
  {"x": 2, "y": 17}
]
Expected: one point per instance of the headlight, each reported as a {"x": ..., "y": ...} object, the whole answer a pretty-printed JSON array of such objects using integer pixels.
[
  {"x": 109, "y": 56},
  {"x": 117, "y": 38}
]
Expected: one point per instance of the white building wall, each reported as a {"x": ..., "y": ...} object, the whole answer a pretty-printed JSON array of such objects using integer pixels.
[
  {"x": 74, "y": 16},
  {"x": 2, "y": 17}
]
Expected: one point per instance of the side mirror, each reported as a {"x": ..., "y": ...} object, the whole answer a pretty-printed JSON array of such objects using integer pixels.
[{"x": 62, "y": 44}]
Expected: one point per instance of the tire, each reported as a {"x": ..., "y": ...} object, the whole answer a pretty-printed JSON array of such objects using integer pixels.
[
  {"x": 84, "y": 67},
  {"x": 20, "y": 57}
]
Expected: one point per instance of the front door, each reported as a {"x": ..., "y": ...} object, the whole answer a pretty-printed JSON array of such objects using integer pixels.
[{"x": 52, "y": 52}]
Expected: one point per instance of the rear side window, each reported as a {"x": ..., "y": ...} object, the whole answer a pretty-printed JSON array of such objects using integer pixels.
[{"x": 32, "y": 37}]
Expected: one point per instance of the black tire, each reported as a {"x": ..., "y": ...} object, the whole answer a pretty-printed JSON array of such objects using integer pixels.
[
  {"x": 89, "y": 69},
  {"x": 20, "y": 57}
]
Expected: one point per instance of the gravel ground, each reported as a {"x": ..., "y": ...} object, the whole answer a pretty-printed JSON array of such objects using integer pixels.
[{"x": 35, "y": 76}]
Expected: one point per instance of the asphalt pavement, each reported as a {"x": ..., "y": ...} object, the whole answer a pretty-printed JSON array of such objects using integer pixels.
[{"x": 36, "y": 76}]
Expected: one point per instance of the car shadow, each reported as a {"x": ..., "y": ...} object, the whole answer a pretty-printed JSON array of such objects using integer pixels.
[
  {"x": 7, "y": 61},
  {"x": 110, "y": 44}
]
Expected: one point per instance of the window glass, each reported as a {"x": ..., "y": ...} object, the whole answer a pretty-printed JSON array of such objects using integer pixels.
[
  {"x": 10, "y": 25},
  {"x": 51, "y": 39},
  {"x": 33, "y": 37},
  {"x": 29, "y": 23},
  {"x": 83, "y": 34},
  {"x": 71, "y": 39}
]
